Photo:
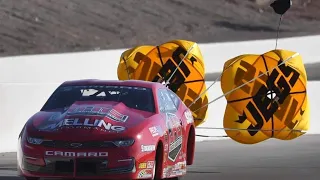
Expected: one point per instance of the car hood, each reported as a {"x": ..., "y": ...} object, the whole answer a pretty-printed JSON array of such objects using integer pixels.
[{"x": 86, "y": 119}]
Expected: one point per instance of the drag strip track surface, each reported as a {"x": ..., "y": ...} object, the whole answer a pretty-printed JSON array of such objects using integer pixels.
[{"x": 225, "y": 159}]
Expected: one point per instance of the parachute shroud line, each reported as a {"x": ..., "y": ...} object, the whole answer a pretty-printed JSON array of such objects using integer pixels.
[
  {"x": 215, "y": 81},
  {"x": 125, "y": 62},
  {"x": 245, "y": 129}
]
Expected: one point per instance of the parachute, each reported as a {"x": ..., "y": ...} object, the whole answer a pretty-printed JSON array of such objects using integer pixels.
[
  {"x": 266, "y": 93},
  {"x": 266, "y": 97},
  {"x": 178, "y": 63}
]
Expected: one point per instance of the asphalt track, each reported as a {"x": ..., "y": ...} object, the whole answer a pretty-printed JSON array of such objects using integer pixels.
[{"x": 225, "y": 160}]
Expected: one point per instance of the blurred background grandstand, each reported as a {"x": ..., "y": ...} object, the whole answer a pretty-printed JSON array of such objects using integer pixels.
[{"x": 51, "y": 26}]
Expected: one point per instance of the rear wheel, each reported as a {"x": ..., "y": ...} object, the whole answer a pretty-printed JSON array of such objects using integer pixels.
[{"x": 190, "y": 146}]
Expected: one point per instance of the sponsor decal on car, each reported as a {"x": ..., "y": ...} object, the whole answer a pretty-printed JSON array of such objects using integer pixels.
[
  {"x": 182, "y": 156},
  {"x": 177, "y": 169},
  {"x": 155, "y": 131},
  {"x": 90, "y": 110},
  {"x": 181, "y": 165},
  {"x": 189, "y": 117},
  {"x": 172, "y": 121},
  {"x": 83, "y": 123},
  {"x": 145, "y": 173},
  {"x": 142, "y": 165},
  {"x": 148, "y": 148},
  {"x": 146, "y": 165},
  {"x": 116, "y": 116},
  {"x": 165, "y": 155},
  {"x": 166, "y": 147},
  {"x": 175, "y": 148},
  {"x": 100, "y": 111},
  {"x": 165, "y": 172},
  {"x": 166, "y": 137},
  {"x": 150, "y": 164},
  {"x": 76, "y": 154}
]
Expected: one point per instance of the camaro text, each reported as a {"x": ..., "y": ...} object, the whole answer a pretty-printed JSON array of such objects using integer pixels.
[{"x": 76, "y": 154}]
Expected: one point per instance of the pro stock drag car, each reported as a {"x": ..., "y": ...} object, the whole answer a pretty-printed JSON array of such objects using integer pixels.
[{"x": 95, "y": 129}]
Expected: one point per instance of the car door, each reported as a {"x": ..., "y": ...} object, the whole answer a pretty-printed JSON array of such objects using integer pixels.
[{"x": 173, "y": 124}]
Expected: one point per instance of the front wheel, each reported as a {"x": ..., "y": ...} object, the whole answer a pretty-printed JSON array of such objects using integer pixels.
[
  {"x": 157, "y": 169},
  {"x": 158, "y": 163},
  {"x": 154, "y": 169}
]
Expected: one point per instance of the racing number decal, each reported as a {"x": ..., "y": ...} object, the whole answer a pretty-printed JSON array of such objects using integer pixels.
[{"x": 263, "y": 107}]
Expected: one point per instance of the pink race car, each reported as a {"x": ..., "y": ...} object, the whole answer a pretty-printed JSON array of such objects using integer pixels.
[{"x": 96, "y": 129}]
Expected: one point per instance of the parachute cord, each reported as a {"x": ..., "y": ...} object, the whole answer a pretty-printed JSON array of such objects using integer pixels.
[
  {"x": 280, "y": 20},
  {"x": 189, "y": 50},
  {"x": 211, "y": 136},
  {"x": 231, "y": 91},
  {"x": 125, "y": 62},
  {"x": 160, "y": 55},
  {"x": 216, "y": 80},
  {"x": 244, "y": 129}
]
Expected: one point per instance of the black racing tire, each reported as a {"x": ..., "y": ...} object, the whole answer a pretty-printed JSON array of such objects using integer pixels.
[
  {"x": 159, "y": 156},
  {"x": 190, "y": 144},
  {"x": 158, "y": 161}
]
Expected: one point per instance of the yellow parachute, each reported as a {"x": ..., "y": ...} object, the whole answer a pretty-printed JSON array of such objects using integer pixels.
[
  {"x": 266, "y": 97},
  {"x": 158, "y": 63}
]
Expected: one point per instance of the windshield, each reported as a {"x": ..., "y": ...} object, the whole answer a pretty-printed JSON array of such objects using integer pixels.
[{"x": 133, "y": 97}]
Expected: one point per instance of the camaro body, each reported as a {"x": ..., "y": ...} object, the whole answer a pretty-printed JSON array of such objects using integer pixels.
[{"x": 108, "y": 130}]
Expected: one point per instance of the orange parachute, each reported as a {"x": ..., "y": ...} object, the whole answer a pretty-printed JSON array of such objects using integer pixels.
[
  {"x": 266, "y": 97},
  {"x": 159, "y": 63}
]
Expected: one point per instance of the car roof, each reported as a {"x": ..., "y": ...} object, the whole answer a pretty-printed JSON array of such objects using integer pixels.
[{"x": 88, "y": 82}]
